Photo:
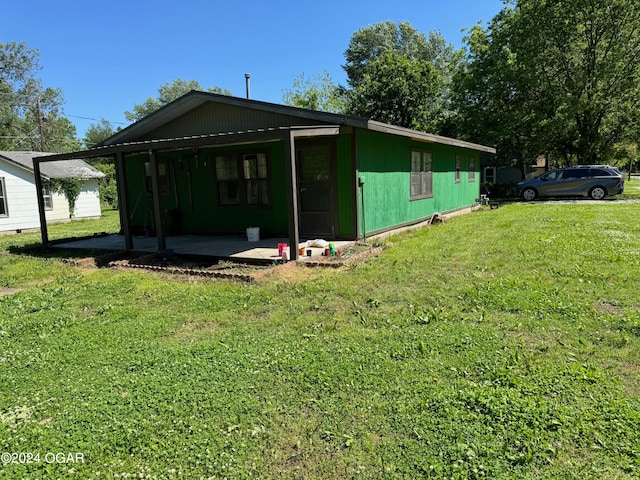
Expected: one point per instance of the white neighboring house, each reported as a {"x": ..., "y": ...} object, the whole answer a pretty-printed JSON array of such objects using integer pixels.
[{"x": 18, "y": 200}]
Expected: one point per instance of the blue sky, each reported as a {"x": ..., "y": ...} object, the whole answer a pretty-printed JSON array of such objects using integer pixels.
[{"x": 108, "y": 56}]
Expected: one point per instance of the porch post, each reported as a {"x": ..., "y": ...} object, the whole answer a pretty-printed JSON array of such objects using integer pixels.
[
  {"x": 43, "y": 217},
  {"x": 157, "y": 207},
  {"x": 292, "y": 195},
  {"x": 123, "y": 201}
]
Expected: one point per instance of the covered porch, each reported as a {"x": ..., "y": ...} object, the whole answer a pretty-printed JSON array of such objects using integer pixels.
[{"x": 162, "y": 238}]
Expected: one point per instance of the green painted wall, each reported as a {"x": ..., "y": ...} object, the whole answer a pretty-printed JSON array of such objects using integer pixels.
[
  {"x": 384, "y": 161},
  {"x": 189, "y": 199},
  {"x": 346, "y": 180},
  {"x": 190, "y": 205}
]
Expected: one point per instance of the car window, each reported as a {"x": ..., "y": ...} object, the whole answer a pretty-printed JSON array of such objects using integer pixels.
[
  {"x": 553, "y": 175},
  {"x": 598, "y": 172}
]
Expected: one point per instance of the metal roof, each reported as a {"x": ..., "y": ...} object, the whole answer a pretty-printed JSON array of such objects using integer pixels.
[
  {"x": 136, "y": 137},
  {"x": 61, "y": 169},
  {"x": 194, "y": 99}
]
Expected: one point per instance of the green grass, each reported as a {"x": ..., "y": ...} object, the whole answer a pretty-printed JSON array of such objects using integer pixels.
[
  {"x": 501, "y": 344},
  {"x": 631, "y": 188}
]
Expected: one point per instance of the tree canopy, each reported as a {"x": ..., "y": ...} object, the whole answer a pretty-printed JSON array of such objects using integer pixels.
[
  {"x": 554, "y": 76},
  {"x": 319, "y": 93},
  {"x": 393, "y": 66},
  {"x": 166, "y": 94},
  {"x": 31, "y": 114},
  {"x": 398, "y": 91}
]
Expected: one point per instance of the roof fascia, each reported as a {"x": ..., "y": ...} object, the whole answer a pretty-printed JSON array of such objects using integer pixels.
[
  {"x": 213, "y": 140},
  {"x": 17, "y": 164},
  {"x": 426, "y": 137}
]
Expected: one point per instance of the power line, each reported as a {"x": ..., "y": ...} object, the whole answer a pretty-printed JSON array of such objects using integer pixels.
[{"x": 95, "y": 119}]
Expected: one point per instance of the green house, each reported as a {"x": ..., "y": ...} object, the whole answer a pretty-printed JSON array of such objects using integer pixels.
[{"x": 214, "y": 164}]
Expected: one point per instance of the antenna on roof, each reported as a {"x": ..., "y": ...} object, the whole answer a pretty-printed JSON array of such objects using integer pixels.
[{"x": 247, "y": 77}]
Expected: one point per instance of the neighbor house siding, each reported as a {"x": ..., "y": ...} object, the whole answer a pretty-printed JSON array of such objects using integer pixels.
[
  {"x": 88, "y": 202},
  {"x": 20, "y": 198},
  {"x": 60, "y": 211}
]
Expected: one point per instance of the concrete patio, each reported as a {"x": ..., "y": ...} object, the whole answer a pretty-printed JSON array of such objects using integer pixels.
[{"x": 232, "y": 247}]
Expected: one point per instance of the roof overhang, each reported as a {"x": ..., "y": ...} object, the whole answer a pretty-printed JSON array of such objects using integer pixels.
[
  {"x": 197, "y": 141},
  {"x": 426, "y": 137}
]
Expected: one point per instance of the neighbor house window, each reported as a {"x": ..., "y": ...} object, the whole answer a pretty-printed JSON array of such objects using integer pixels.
[
  {"x": 46, "y": 196},
  {"x": 4, "y": 211},
  {"x": 421, "y": 175},
  {"x": 458, "y": 166},
  {"x": 242, "y": 179},
  {"x": 472, "y": 169},
  {"x": 490, "y": 174}
]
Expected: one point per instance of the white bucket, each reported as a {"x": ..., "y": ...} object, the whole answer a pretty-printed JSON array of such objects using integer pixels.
[{"x": 253, "y": 234}]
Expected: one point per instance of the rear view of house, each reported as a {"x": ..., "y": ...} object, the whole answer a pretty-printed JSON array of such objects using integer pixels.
[
  {"x": 18, "y": 199},
  {"x": 214, "y": 164}
]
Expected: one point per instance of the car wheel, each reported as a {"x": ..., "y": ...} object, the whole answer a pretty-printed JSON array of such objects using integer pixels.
[
  {"x": 529, "y": 194},
  {"x": 597, "y": 193}
]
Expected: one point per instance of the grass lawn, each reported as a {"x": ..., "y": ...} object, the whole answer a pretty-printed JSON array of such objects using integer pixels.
[{"x": 501, "y": 344}]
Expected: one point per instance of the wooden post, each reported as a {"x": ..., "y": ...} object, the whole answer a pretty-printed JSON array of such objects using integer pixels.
[
  {"x": 123, "y": 200},
  {"x": 292, "y": 195},
  {"x": 157, "y": 207},
  {"x": 43, "y": 217}
]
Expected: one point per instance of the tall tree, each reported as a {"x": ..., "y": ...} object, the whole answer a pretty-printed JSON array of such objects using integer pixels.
[
  {"x": 97, "y": 132},
  {"x": 166, "y": 94},
  {"x": 568, "y": 69},
  {"x": 31, "y": 116},
  {"x": 398, "y": 91},
  {"x": 388, "y": 43},
  {"x": 319, "y": 93}
]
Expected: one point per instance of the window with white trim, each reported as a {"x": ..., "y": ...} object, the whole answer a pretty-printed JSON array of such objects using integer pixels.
[
  {"x": 458, "y": 166},
  {"x": 4, "y": 211},
  {"x": 46, "y": 196},
  {"x": 472, "y": 169},
  {"x": 421, "y": 174},
  {"x": 490, "y": 174},
  {"x": 242, "y": 179}
]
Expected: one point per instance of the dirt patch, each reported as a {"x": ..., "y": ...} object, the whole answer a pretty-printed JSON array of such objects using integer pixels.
[
  {"x": 9, "y": 291},
  {"x": 353, "y": 254},
  {"x": 201, "y": 267},
  {"x": 204, "y": 267}
]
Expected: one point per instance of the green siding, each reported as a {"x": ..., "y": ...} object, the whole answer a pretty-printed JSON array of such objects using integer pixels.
[
  {"x": 203, "y": 215},
  {"x": 346, "y": 180},
  {"x": 384, "y": 161},
  {"x": 189, "y": 201}
]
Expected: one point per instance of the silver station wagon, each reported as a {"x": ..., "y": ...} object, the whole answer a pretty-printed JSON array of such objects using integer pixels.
[{"x": 591, "y": 181}]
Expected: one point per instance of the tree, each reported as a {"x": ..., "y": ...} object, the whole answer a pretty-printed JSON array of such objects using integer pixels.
[
  {"x": 387, "y": 42},
  {"x": 398, "y": 91},
  {"x": 96, "y": 134},
  {"x": 317, "y": 94},
  {"x": 17, "y": 62},
  {"x": 567, "y": 72},
  {"x": 166, "y": 94},
  {"x": 31, "y": 114},
  {"x": 492, "y": 104}
]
